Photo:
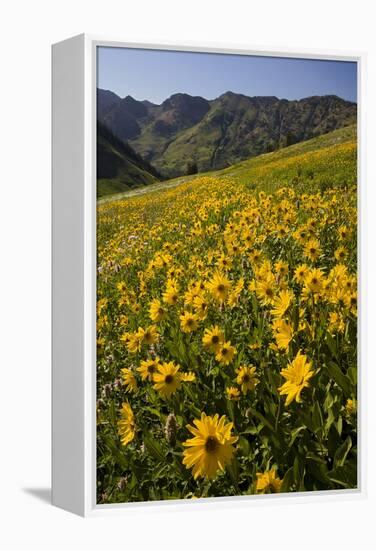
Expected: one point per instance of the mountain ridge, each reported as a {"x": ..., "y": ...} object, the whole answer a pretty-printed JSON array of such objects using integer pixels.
[{"x": 213, "y": 134}]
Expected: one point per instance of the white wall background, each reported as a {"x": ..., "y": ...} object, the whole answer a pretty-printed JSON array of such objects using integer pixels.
[{"x": 27, "y": 30}]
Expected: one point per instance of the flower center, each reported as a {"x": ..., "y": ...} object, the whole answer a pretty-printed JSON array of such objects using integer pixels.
[
  {"x": 211, "y": 444},
  {"x": 169, "y": 379},
  {"x": 151, "y": 369},
  {"x": 215, "y": 339},
  {"x": 221, "y": 288},
  {"x": 269, "y": 292},
  {"x": 246, "y": 378}
]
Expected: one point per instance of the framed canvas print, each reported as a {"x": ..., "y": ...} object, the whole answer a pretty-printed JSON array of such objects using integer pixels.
[{"x": 206, "y": 339}]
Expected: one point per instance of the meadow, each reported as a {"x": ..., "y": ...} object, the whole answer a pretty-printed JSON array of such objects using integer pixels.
[{"x": 227, "y": 330}]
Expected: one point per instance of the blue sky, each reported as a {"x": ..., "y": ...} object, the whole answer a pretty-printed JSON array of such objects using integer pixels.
[{"x": 156, "y": 75}]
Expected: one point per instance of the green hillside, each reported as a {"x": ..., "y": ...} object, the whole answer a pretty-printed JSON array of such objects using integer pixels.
[
  {"x": 238, "y": 128},
  {"x": 119, "y": 168},
  {"x": 325, "y": 161}
]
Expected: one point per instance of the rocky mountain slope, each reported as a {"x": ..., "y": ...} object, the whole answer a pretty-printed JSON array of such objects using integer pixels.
[{"x": 186, "y": 130}]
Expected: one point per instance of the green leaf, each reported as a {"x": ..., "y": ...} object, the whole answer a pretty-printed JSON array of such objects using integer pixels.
[
  {"x": 233, "y": 470},
  {"x": 261, "y": 418},
  {"x": 342, "y": 452},
  {"x": 307, "y": 419},
  {"x": 253, "y": 430},
  {"x": 333, "y": 441},
  {"x": 339, "y": 378},
  {"x": 339, "y": 425},
  {"x": 317, "y": 419},
  {"x": 329, "y": 400},
  {"x": 116, "y": 452},
  {"x": 329, "y": 420},
  {"x": 288, "y": 481},
  {"x": 298, "y": 471},
  {"x": 345, "y": 476},
  {"x": 255, "y": 307},
  {"x": 318, "y": 470},
  {"x": 295, "y": 318},
  {"x": 230, "y": 409},
  {"x": 352, "y": 373},
  {"x": 331, "y": 343},
  {"x": 295, "y": 433},
  {"x": 244, "y": 446},
  {"x": 315, "y": 458},
  {"x": 154, "y": 448},
  {"x": 154, "y": 411}
]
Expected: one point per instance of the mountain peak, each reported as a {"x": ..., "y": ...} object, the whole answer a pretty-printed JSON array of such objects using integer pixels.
[
  {"x": 222, "y": 131},
  {"x": 106, "y": 100},
  {"x": 148, "y": 103},
  {"x": 235, "y": 95},
  {"x": 130, "y": 99},
  {"x": 181, "y": 111},
  {"x": 230, "y": 95},
  {"x": 180, "y": 99},
  {"x": 134, "y": 107}
]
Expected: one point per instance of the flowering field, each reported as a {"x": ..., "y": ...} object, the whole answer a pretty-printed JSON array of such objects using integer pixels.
[{"x": 227, "y": 338}]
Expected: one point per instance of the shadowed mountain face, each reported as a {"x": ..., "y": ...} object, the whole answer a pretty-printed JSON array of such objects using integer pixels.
[
  {"x": 214, "y": 134},
  {"x": 106, "y": 101},
  {"x": 119, "y": 167}
]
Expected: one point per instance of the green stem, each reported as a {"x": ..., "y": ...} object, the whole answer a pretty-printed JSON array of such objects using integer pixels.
[{"x": 278, "y": 414}]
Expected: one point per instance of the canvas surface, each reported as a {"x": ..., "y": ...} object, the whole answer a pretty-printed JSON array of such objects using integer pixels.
[{"x": 227, "y": 284}]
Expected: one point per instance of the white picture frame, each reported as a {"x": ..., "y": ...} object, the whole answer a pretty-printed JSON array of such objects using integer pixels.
[{"x": 74, "y": 276}]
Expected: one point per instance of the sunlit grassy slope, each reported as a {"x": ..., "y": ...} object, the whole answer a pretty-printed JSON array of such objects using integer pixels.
[
  {"x": 316, "y": 164},
  {"x": 273, "y": 276}
]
